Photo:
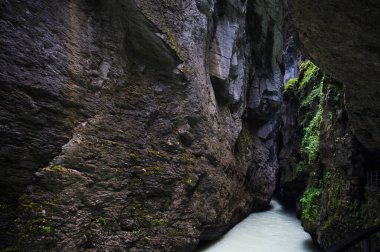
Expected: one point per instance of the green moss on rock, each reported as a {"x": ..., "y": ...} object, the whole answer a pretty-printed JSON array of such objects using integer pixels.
[
  {"x": 314, "y": 97},
  {"x": 291, "y": 85},
  {"x": 311, "y": 206},
  {"x": 309, "y": 73},
  {"x": 158, "y": 154},
  {"x": 310, "y": 141}
]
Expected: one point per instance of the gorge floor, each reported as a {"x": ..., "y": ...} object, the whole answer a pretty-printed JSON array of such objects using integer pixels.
[{"x": 276, "y": 229}]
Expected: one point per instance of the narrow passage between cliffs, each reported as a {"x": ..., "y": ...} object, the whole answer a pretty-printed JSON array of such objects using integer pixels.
[{"x": 274, "y": 230}]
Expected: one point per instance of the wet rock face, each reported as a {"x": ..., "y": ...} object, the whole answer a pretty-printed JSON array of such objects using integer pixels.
[
  {"x": 290, "y": 132},
  {"x": 343, "y": 38},
  {"x": 296, "y": 115},
  {"x": 142, "y": 125},
  {"x": 323, "y": 167}
]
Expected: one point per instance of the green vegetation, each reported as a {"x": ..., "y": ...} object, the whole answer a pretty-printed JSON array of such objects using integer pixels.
[
  {"x": 310, "y": 141},
  {"x": 187, "y": 159},
  {"x": 306, "y": 119},
  {"x": 311, "y": 104},
  {"x": 38, "y": 226},
  {"x": 310, "y": 93},
  {"x": 138, "y": 232},
  {"x": 49, "y": 230},
  {"x": 43, "y": 203},
  {"x": 158, "y": 154},
  {"x": 187, "y": 70},
  {"x": 311, "y": 205},
  {"x": 173, "y": 43},
  {"x": 55, "y": 168},
  {"x": 309, "y": 73},
  {"x": 320, "y": 97},
  {"x": 314, "y": 97},
  {"x": 344, "y": 213},
  {"x": 291, "y": 85},
  {"x": 187, "y": 177},
  {"x": 135, "y": 91},
  {"x": 101, "y": 220}
]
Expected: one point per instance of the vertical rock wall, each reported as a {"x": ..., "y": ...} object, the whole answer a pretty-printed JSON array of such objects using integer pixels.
[
  {"x": 343, "y": 38},
  {"x": 323, "y": 165},
  {"x": 136, "y": 125}
]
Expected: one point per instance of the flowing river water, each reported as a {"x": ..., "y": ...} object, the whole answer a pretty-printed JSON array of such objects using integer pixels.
[{"x": 275, "y": 230}]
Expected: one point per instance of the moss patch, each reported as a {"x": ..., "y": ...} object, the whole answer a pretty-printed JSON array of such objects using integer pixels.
[
  {"x": 54, "y": 168},
  {"x": 158, "y": 154},
  {"x": 309, "y": 73},
  {"x": 311, "y": 206},
  {"x": 291, "y": 85},
  {"x": 313, "y": 98},
  {"x": 310, "y": 141}
]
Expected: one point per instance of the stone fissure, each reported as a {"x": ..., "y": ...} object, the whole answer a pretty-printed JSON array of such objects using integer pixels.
[{"x": 151, "y": 125}]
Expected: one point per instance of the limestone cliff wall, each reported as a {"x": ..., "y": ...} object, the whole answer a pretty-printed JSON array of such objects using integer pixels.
[{"x": 136, "y": 125}]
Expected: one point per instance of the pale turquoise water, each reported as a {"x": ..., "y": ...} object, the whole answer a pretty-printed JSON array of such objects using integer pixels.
[{"x": 275, "y": 230}]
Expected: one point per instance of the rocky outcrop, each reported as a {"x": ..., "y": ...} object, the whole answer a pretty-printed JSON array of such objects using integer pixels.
[
  {"x": 343, "y": 38},
  {"x": 301, "y": 99},
  {"x": 136, "y": 125},
  {"x": 323, "y": 165}
]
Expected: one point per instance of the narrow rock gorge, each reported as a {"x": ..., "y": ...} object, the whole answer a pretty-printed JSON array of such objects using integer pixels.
[
  {"x": 136, "y": 125},
  {"x": 153, "y": 125},
  {"x": 323, "y": 166},
  {"x": 336, "y": 128}
]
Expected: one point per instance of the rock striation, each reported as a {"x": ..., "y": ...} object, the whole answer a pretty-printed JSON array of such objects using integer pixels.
[
  {"x": 151, "y": 125},
  {"x": 136, "y": 125}
]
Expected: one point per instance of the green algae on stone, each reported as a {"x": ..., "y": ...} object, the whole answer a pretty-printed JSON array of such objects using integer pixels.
[
  {"x": 310, "y": 141},
  {"x": 54, "y": 168},
  {"x": 309, "y": 73},
  {"x": 158, "y": 154},
  {"x": 314, "y": 97},
  {"x": 291, "y": 85},
  {"x": 311, "y": 205},
  {"x": 187, "y": 177}
]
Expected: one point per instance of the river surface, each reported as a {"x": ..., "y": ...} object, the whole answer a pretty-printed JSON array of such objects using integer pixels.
[{"x": 274, "y": 230}]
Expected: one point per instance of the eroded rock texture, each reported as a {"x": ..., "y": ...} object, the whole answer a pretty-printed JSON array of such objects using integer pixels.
[
  {"x": 323, "y": 166},
  {"x": 343, "y": 38},
  {"x": 290, "y": 186},
  {"x": 136, "y": 125}
]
